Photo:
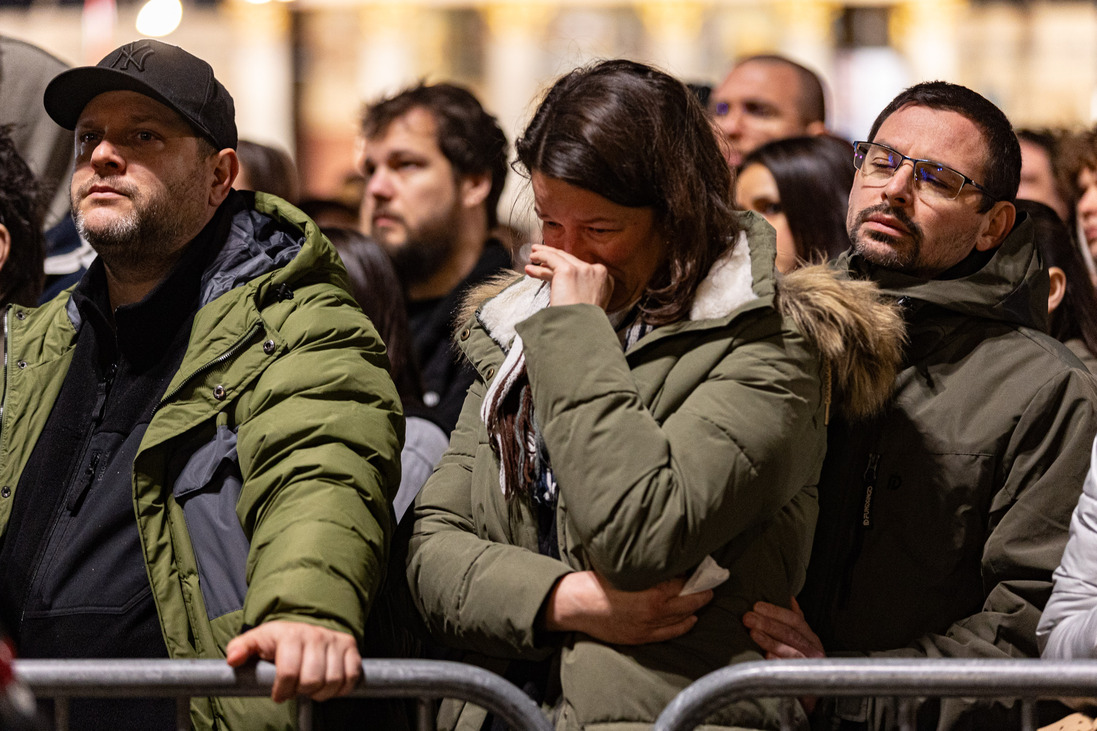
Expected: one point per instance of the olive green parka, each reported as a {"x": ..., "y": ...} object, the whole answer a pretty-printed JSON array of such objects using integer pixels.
[
  {"x": 942, "y": 519},
  {"x": 261, "y": 488},
  {"x": 704, "y": 438}
]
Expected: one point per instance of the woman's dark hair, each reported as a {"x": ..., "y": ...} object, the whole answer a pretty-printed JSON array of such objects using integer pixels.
[
  {"x": 814, "y": 176},
  {"x": 1076, "y": 315},
  {"x": 638, "y": 137},
  {"x": 378, "y": 291},
  {"x": 21, "y": 213}
]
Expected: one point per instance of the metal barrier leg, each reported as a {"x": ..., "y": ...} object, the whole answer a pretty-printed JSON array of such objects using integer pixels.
[
  {"x": 1028, "y": 714},
  {"x": 182, "y": 713},
  {"x": 61, "y": 713},
  {"x": 425, "y": 714},
  {"x": 305, "y": 713},
  {"x": 908, "y": 708}
]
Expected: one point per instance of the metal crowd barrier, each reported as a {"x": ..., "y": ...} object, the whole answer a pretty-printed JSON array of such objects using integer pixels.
[
  {"x": 184, "y": 679},
  {"x": 904, "y": 680}
]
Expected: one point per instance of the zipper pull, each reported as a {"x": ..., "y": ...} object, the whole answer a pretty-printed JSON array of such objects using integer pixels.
[
  {"x": 88, "y": 478},
  {"x": 868, "y": 481}
]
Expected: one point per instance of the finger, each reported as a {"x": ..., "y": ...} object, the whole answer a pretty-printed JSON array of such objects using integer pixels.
[
  {"x": 688, "y": 604},
  {"x": 795, "y": 606},
  {"x": 794, "y": 619},
  {"x": 352, "y": 670},
  {"x": 287, "y": 666},
  {"x": 787, "y": 636},
  {"x": 779, "y": 614},
  {"x": 314, "y": 667},
  {"x": 670, "y": 632},
  {"x": 332, "y": 675},
  {"x": 545, "y": 255},
  {"x": 254, "y": 642},
  {"x": 774, "y": 649},
  {"x": 539, "y": 272},
  {"x": 239, "y": 649}
]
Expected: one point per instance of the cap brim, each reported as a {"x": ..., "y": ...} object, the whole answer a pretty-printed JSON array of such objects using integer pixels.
[{"x": 70, "y": 91}]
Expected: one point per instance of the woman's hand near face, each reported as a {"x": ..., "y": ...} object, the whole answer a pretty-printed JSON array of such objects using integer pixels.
[
  {"x": 572, "y": 281},
  {"x": 583, "y": 601}
]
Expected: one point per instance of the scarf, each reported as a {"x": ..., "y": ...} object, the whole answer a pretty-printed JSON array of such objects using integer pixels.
[{"x": 507, "y": 412}]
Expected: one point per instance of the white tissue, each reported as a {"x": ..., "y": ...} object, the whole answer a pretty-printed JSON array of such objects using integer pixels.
[{"x": 707, "y": 575}]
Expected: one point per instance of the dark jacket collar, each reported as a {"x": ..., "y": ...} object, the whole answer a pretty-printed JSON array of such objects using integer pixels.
[{"x": 1011, "y": 286}]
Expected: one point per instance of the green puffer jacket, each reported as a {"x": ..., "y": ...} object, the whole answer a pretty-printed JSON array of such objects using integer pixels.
[
  {"x": 706, "y": 437},
  {"x": 262, "y": 485},
  {"x": 942, "y": 520}
]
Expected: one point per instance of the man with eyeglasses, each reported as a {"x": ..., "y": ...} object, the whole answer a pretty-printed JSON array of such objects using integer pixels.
[{"x": 942, "y": 519}]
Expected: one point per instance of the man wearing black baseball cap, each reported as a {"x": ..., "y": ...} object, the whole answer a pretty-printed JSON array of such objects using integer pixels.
[{"x": 200, "y": 437}]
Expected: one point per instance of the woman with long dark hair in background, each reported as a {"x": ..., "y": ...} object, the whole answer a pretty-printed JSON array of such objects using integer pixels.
[
  {"x": 1072, "y": 301},
  {"x": 800, "y": 185}
]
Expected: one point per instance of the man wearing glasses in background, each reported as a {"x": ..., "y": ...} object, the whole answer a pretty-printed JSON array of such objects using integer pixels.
[{"x": 942, "y": 519}]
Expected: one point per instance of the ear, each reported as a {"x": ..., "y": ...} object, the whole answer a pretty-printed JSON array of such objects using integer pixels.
[
  {"x": 474, "y": 189},
  {"x": 1058, "y": 288},
  {"x": 225, "y": 169},
  {"x": 817, "y": 127},
  {"x": 5, "y": 244},
  {"x": 997, "y": 224}
]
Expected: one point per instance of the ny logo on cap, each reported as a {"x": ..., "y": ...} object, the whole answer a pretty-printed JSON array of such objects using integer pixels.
[{"x": 136, "y": 53}]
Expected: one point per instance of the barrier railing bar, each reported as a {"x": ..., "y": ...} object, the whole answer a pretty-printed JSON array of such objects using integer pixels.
[
  {"x": 898, "y": 677},
  {"x": 429, "y": 679}
]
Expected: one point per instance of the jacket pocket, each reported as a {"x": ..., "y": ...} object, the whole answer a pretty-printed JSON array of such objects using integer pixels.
[{"x": 208, "y": 488}]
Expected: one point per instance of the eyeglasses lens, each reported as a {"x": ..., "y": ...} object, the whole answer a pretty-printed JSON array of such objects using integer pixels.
[{"x": 878, "y": 164}]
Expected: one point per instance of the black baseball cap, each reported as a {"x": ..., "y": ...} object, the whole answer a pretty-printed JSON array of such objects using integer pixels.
[{"x": 177, "y": 79}]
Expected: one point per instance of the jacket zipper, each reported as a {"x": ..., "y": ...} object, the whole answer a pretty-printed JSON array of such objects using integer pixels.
[
  {"x": 868, "y": 481},
  {"x": 227, "y": 355},
  {"x": 7, "y": 354}
]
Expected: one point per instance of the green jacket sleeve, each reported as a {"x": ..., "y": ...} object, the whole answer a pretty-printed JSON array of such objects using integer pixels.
[
  {"x": 320, "y": 455},
  {"x": 475, "y": 589},
  {"x": 648, "y": 498}
]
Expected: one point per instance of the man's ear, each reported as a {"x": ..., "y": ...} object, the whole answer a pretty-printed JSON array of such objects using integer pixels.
[
  {"x": 997, "y": 225},
  {"x": 1058, "y": 288},
  {"x": 474, "y": 189},
  {"x": 226, "y": 168},
  {"x": 5, "y": 244},
  {"x": 818, "y": 127}
]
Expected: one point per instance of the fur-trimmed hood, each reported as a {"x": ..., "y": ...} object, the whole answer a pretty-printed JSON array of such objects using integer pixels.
[{"x": 859, "y": 333}]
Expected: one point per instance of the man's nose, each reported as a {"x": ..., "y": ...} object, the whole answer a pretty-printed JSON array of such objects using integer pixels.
[
  {"x": 731, "y": 122},
  {"x": 106, "y": 157},
  {"x": 900, "y": 187},
  {"x": 380, "y": 184}
]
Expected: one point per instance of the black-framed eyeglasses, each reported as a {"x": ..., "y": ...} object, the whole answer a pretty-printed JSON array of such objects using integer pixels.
[{"x": 878, "y": 163}]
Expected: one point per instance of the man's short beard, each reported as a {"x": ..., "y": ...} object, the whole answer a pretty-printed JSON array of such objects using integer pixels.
[
  {"x": 898, "y": 258},
  {"x": 151, "y": 232},
  {"x": 425, "y": 252}
]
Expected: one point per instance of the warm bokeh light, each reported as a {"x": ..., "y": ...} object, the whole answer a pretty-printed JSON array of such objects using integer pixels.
[{"x": 159, "y": 17}]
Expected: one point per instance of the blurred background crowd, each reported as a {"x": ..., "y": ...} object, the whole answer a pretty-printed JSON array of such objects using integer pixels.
[{"x": 299, "y": 71}]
